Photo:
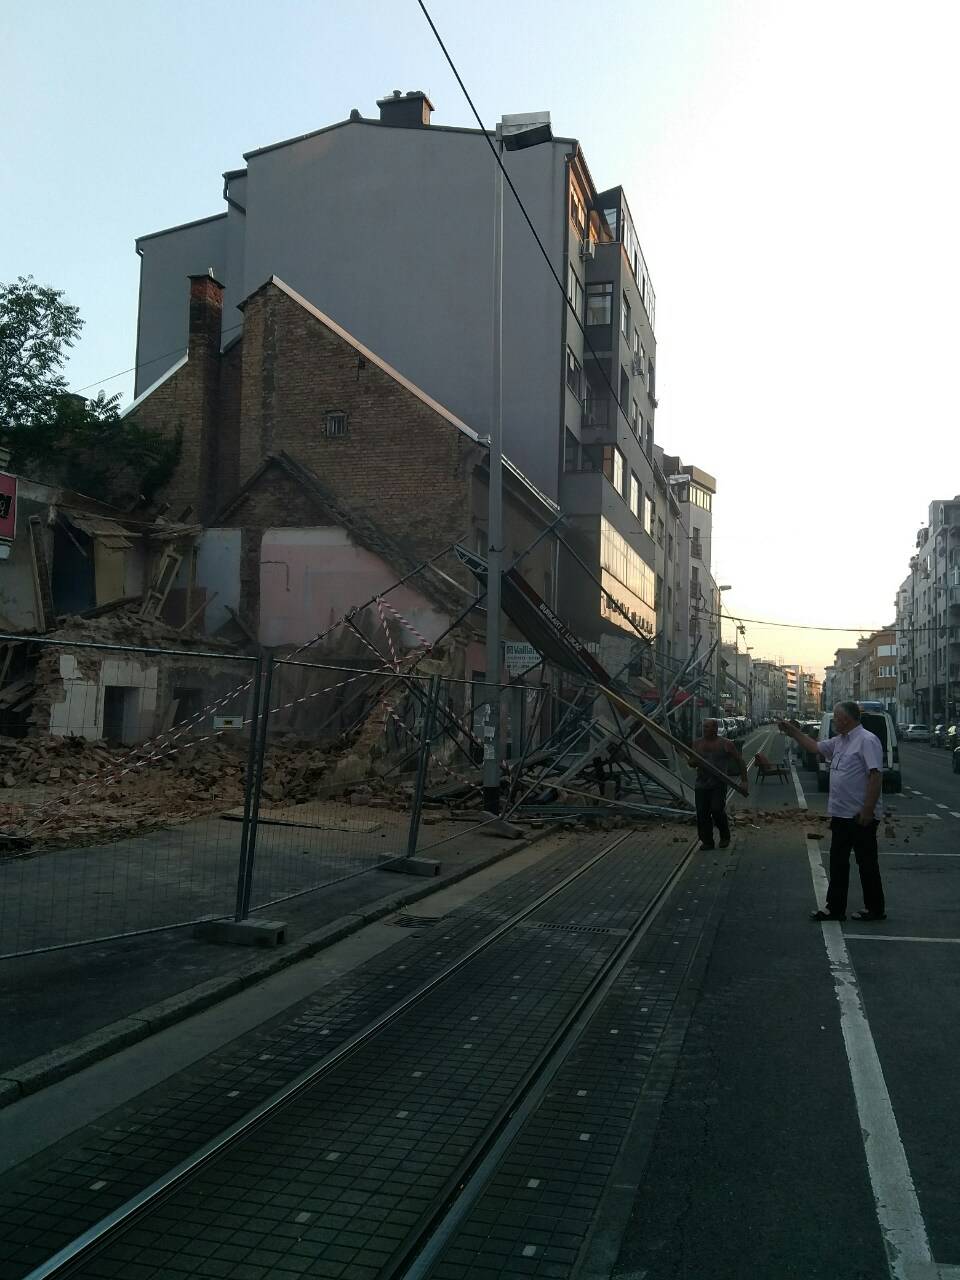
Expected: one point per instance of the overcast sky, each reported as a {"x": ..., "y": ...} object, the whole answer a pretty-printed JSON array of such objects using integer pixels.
[{"x": 792, "y": 169}]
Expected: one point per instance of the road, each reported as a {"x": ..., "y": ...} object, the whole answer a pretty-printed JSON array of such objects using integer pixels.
[{"x": 625, "y": 1060}]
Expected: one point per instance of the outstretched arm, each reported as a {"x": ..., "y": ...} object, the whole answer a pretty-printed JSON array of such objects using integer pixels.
[{"x": 803, "y": 740}]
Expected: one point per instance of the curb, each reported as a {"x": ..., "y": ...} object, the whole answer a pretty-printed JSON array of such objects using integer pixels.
[{"x": 49, "y": 1068}]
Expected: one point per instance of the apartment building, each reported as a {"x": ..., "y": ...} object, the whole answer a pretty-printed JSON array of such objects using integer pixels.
[
  {"x": 386, "y": 226},
  {"x": 928, "y": 621}
]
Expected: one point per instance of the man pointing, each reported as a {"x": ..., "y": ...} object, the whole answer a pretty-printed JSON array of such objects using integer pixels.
[{"x": 855, "y": 756}]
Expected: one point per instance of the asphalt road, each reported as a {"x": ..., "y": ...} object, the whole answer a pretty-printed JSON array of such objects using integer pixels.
[{"x": 760, "y": 1164}]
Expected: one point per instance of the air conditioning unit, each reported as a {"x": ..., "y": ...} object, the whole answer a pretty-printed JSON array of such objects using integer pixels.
[
  {"x": 636, "y": 366},
  {"x": 588, "y": 249}
]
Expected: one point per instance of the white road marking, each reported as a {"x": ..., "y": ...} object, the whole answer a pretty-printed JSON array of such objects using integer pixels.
[
  {"x": 801, "y": 798},
  {"x": 892, "y": 937},
  {"x": 954, "y": 815},
  {"x": 932, "y": 815},
  {"x": 895, "y": 1197},
  {"x": 943, "y": 806}
]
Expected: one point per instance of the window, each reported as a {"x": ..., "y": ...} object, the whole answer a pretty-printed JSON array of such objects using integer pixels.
[
  {"x": 334, "y": 424},
  {"x": 625, "y": 316},
  {"x": 648, "y": 444},
  {"x": 699, "y": 497},
  {"x": 643, "y": 363},
  {"x": 624, "y": 387},
  {"x": 618, "y": 470},
  {"x": 574, "y": 375},
  {"x": 613, "y": 466},
  {"x": 658, "y": 593},
  {"x": 575, "y": 292},
  {"x": 670, "y": 545},
  {"x": 695, "y": 577},
  {"x": 619, "y": 561},
  {"x": 660, "y": 530},
  {"x": 578, "y": 213},
  {"x": 637, "y": 348},
  {"x": 571, "y": 451},
  {"x": 599, "y": 303},
  {"x": 635, "y": 418},
  {"x": 669, "y": 599},
  {"x": 647, "y": 515},
  {"x": 634, "y": 494},
  {"x": 651, "y": 380}
]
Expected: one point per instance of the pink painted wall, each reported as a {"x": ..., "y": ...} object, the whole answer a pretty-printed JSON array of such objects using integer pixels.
[{"x": 311, "y": 577}]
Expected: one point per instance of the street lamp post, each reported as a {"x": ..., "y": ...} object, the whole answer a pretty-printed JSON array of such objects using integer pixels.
[
  {"x": 514, "y": 133},
  {"x": 716, "y": 683}
]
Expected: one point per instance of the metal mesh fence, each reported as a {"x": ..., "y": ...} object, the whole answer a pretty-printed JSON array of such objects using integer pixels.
[{"x": 110, "y": 803}]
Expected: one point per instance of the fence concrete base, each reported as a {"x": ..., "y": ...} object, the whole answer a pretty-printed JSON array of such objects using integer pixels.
[
  {"x": 243, "y": 933},
  {"x": 415, "y": 867}
]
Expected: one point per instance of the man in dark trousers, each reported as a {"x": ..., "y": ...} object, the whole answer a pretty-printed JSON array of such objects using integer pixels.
[
  {"x": 710, "y": 792},
  {"x": 856, "y": 777}
]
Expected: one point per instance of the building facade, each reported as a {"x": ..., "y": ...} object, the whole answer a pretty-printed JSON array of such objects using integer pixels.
[
  {"x": 928, "y": 621},
  {"x": 386, "y": 225}
]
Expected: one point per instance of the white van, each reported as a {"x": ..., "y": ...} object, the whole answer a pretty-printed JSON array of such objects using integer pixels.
[{"x": 880, "y": 723}]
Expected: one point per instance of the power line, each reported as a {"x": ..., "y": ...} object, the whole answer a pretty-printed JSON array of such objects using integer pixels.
[
  {"x": 533, "y": 231},
  {"x": 812, "y": 626},
  {"x": 135, "y": 368}
]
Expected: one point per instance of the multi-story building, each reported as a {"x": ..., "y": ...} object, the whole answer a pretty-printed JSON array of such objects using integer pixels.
[
  {"x": 386, "y": 226},
  {"x": 878, "y": 682},
  {"x": 928, "y": 621}
]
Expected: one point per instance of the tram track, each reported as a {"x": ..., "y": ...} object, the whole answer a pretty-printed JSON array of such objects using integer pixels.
[{"x": 449, "y": 1201}]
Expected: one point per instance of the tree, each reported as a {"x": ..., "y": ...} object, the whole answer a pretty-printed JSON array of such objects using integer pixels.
[
  {"x": 36, "y": 328},
  {"x": 54, "y": 434}
]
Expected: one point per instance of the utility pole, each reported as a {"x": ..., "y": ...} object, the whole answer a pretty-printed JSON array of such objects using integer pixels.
[{"x": 514, "y": 133}]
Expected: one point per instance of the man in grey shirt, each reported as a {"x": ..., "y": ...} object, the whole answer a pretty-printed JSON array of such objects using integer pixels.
[{"x": 855, "y": 756}]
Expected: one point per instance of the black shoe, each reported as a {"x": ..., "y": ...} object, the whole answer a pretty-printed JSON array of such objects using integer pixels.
[
  {"x": 865, "y": 916},
  {"x": 705, "y": 847},
  {"x": 826, "y": 915},
  {"x": 725, "y": 844}
]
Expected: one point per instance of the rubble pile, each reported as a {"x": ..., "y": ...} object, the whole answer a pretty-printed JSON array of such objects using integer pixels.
[{"x": 92, "y": 792}]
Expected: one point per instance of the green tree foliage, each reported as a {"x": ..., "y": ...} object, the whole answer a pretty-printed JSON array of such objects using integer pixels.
[{"x": 55, "y": 435}]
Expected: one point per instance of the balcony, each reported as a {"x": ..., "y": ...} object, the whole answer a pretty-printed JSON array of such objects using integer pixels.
[{"x": 596, "y": 415}]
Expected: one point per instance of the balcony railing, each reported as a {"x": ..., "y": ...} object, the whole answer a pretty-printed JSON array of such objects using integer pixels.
[{"x": 596, "y": 413}]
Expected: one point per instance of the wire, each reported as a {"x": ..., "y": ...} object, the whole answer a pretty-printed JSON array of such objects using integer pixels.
[
  {"x": 134, "y": 368},
  {"x": 812, "y": 626},
  {"x": 540, "y": 245}
]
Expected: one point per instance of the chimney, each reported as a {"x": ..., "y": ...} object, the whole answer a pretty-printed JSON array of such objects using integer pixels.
[
  {"x": 206, "y": 310},
  {"x": 406, "y": 110}
]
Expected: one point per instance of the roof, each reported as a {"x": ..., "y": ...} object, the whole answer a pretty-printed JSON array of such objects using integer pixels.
[
  {"x": 379, "y": 124},
  {"x": 181, "y": 226},
  {"x": 397, "y": 376}
]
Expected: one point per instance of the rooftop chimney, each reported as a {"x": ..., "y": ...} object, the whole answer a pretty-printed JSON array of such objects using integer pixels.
[{"x": 405, "y": 110}]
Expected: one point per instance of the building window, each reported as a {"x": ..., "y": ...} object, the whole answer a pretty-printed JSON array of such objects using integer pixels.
[
  {"x": 648, "y": 515},
  {"x": 578, "y": 212},
  {"x": 624, "y": 388},
  {"x": 660, "y": 530},
  {"x": 634, "y": 494},
  {"x": 334, "y": 424},
  {"x": 651, "y": 380},
  {"x": 700, "y": 498},
  {"x": 571, "y": 451},
  {"x": 635, "y": 418},
  {"x": 669, "y": 545},
  {"x": 574, "y": 375},
  {"x": 600, "y": 303},
  {"x": 618, "y": 470},
  {"x": 637, "y": 348},
  {"x": 648, "y": 443},
  {"x": 574, "y": 292},
  {"x": 625, "y": 316}
]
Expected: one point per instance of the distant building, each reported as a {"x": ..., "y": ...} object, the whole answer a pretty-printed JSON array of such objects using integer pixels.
[{"x": 928, "y": 621}]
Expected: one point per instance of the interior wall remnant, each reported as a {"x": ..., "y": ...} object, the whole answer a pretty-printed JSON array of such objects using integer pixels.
[
  {"x": 81, "y": 713},
  {"x": 218, "y": 572},
  {"x": 309, "y": 578}
]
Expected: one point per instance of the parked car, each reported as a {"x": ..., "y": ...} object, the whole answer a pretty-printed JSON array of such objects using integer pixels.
[
  {"x": 880, "y": 723},
  {"x": 939, "y": 735},
  {"x": 953, "y": 737},
  {"x": 916, "y": 733},
  {"x": 956, "y": 759}
]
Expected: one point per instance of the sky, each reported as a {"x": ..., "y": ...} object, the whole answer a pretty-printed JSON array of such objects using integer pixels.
[{"x": 791, "y": 170}]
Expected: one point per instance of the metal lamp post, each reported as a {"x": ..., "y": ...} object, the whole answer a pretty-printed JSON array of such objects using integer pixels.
[
  {"x": 716, "y": 685},
  {"x": 514, "y": 133}
]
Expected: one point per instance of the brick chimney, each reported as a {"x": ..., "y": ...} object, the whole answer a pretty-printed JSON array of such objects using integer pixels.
[
  {"x": 406, "y": 110},
  {"x": 201, "y": 430},
  {"x": 206, "y": 310}
]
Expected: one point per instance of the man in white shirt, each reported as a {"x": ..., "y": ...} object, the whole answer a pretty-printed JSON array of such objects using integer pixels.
[{"x": 856, "y": 777}]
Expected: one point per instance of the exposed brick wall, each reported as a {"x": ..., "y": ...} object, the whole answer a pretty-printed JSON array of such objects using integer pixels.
[{"x": 401, "y": 467}]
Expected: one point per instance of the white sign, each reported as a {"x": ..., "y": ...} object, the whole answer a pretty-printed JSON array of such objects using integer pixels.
[{"x": 519, "y": 656}]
